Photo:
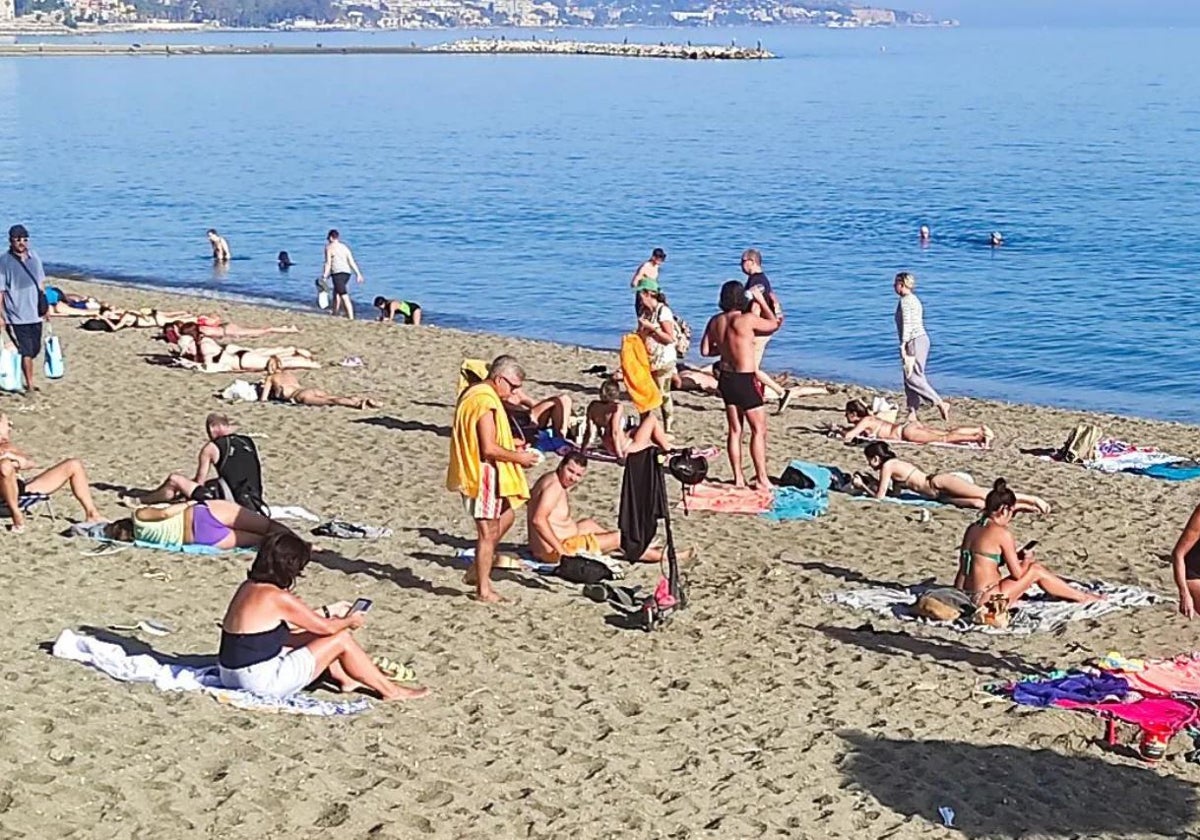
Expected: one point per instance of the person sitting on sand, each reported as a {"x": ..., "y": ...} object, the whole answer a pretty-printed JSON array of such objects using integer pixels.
[
  {"x": 389, "y": 309},
  {"x": 1185, "y": 560},
  {"x": 274, "y": 644},
  {"x": 988, "y": 544},
  {"x": 282, "y": 386},
  {"x": 530, "y": 415},
  {"x": 234, "y": 458},
  {"x": 67, "y": 305},
  {"x": 199, "y": 352},
  {"x": 863, "y": 424},
  {"x": 215, "y": 523},
  {"x": 554, "y": 534},
  {"x": 12, "y": 487},
  {"x": 948, "y": 488},
  {"x": 205, "y": 327},
  {"x": 607, "y": 416}
]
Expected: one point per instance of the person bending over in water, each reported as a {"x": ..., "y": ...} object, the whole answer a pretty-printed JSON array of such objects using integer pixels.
[
  {"x": 863, "y": 424},
  {"x": 282, "y": 386},
  {"x": 12, "y": 487},
  {"x": 390, "y": 309},
  {"x": 948, "y": 488},
  {"x": 274, "y": 644},
  {"x": 215, "y": 523},
  {"x": 220, "y": 248},
  {"x": 554, "y": 534},
  {"x": 988, "y": 545},
  {"x": 607, "y": 415}
]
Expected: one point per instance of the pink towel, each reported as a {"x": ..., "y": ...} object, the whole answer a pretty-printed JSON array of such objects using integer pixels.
[
  {"x": 725, "y": 498},
  {"x": 1152, "y": 712},
  {"x": 1180, "y": 675}
]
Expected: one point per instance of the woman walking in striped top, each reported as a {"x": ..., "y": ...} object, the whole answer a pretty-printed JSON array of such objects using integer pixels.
[{"x": 914, "y": 348}]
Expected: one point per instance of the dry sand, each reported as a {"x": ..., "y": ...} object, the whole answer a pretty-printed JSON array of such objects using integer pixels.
[{"x": 760, "y": 712}]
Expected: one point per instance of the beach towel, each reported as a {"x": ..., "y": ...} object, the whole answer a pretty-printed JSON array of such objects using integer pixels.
[
  {"x": 289, "y": 512},
  {"x": 1077, "y": 687},
  {"x": 804, "y": 504},
  {"x": 639, "y": 381},
  {"x": 1034, "y": 613},
  {"x": 1180, "y": 471},
  {"x": 1168, "y": 677},
  {"x": 113, "y": 660},
  {"x": 725, "y": 498},
  {"x": 1161, "y": 713},
  {"x": 464, "y": 557},
  {"x": 95, "y": 531},
  {"x": 465, "y": 470}
]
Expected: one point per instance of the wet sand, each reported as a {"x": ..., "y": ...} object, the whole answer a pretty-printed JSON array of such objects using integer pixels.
[{"x": 760, "y": 712}]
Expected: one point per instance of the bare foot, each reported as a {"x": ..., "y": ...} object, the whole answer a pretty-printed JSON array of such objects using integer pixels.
[
  {"x": 402, "y": 693},
  {"x": 349, "y": 686},
  {"x": 368, "y": 404},
  {"x": 93, "y": 517},
  {"x": 488, "y": 597}
]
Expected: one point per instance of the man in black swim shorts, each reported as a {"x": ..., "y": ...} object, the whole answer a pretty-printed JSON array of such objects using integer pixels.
[
  {"x": 731, "y": 335},
  {"x": 339, "y": 265}
]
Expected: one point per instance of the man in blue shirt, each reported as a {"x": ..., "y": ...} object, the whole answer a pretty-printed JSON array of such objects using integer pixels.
[
  {"x": 23, "y": 281},
  {"x": 756, "y": 279}
]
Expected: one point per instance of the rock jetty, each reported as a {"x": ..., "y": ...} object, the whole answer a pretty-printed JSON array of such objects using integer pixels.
[
  {"x": 626, "y": 50},
  {"x": 474, "y": 46}
]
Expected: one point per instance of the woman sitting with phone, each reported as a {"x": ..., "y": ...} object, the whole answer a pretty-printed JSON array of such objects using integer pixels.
[
  {"x": 273, "y": 644},
  {"x": 988, "y": 545}
]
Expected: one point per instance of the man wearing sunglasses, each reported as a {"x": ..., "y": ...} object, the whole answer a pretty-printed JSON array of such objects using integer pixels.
[{"x": 21, "y": 315}]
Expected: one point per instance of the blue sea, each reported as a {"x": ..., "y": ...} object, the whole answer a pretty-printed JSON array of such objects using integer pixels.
[{"x": 517, "y": 194}]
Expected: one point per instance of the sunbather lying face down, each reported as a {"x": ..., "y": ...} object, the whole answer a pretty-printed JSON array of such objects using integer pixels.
[
  {"x": 863, "y": 424},
  {"x": 284, "y": 387},
  {"x": 67, "y": 305},
  {"x": 207, "y": 327},
  {"x": 947, "y": 488},
  {"x": 121, "y": 319},
  {"x": 209, "y": 356},
  {"x": 988, "y": 545},
  {"x": 215, "y": 523},
  {"x": 274, "y": 644}
]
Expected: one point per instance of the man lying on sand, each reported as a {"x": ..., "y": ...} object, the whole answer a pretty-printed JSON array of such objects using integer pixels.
[
  {"x": 948, "y": 488},
  {"x": 282, "y": 386},
  {"x": 863, "y": 424},
  {"x": 607, "y": 415},
  {"x": 554, "y": 534},
  {"x": 232, "y": 455},
  {"x": 12, "y": 487}
]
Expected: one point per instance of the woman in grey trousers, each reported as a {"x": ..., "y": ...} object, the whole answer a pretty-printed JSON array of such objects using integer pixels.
[{"x": 914, "y": 348}]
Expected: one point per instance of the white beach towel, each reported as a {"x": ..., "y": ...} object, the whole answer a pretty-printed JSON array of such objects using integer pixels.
[
  {"x": 290, "y": 512},
  {"x": 113, "y": 660},
  {"x": 1032, "y": 614}
]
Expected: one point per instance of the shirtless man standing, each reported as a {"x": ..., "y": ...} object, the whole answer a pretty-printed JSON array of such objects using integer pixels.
[
  {"x": 649, "y": 269},
  {"x": 553, "y": 534},
  {"x": 220, "y": 247},
  {"x": 339, "y": 265},
  {"x": 731, "y": 335}
]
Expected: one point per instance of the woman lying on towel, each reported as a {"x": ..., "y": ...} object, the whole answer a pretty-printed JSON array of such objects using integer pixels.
[
  {"x": 866, "y": 425},
  {"x": 282, "y": 386},
  {"x": 988, "y": 545},
  {"x": 215, "y": 523},
  {"x": 206, "y": 354},
  {"x": 67, "y": 305},
  {"x": 213, "y": 328},
  {"x": 115, "y": 320},
  {"x": 948, "y": 488},
  {"x": 274, "y": 644}
]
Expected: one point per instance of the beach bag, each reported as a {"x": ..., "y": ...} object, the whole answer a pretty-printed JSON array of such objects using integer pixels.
[
  {"x": 54, "y": 365},
  {"x": 586, "y": 570},
  {"x": 683, "y": 337},
  {"x": 944, "y": 604},
  {"x": 322, "y": 293},
  {"x": 1080, "y": 445},
  {"x": 10, "y": 368}
]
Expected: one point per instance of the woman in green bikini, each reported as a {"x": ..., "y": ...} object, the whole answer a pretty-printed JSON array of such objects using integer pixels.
[{"x": 988, "y": 545}]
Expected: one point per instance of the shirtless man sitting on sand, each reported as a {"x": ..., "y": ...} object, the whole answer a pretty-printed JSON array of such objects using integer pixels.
[
  {"x": 283, "y": 386},
  {"x": 554, "y": 534},
  {"x": 731, "y": 336},
  {"x": 12, "y": 487},
  {"x": 608, "y": 416}
]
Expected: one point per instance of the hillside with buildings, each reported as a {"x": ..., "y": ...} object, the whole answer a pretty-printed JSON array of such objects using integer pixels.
[{"x": 434, "y": 14}]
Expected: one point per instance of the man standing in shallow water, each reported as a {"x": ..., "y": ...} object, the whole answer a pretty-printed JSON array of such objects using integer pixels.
[
  {"x": 220, "y": 247},
  {"x": 731, "y": 335},
  {"x": 339, "y": 265}
]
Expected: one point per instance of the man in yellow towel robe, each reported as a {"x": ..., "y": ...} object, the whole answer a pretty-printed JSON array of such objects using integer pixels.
[{"x": 486, "y": 468}]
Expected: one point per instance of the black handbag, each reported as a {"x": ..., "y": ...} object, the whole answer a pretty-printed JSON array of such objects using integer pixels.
[{"x": 583, "y": 570}]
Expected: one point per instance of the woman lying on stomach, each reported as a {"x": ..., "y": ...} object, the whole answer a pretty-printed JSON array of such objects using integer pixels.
[
  {"x": 948, "y": 488},
  {"x": 864, "y": 424},
  {"x": 273, "y": 644},
  {"x": 282, "y": 386},
  {"x": 200, "y": 352},
  {"x": 215, "y": 523},
  {"x": 988, "y": 545}
]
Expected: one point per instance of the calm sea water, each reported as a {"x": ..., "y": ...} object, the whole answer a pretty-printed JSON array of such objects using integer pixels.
[{"x": 517, "y": 194}]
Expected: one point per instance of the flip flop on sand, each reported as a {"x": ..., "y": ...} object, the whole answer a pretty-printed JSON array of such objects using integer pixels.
[{"x": 397, "y": 672}]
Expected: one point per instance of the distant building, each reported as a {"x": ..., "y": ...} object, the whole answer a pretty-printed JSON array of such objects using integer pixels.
[{"x": 8, "y": 9}]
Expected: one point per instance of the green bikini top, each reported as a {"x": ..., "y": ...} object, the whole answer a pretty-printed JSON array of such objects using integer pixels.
[{"x": 966, "y": 557}]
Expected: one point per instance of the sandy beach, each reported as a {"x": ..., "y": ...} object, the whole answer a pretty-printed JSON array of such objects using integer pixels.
[{"x": 761, "y": 711}]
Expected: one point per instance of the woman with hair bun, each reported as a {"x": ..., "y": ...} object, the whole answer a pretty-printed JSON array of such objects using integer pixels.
[
  {"x": 948, "y": 488},
  {"x": 988, "y": 545}
]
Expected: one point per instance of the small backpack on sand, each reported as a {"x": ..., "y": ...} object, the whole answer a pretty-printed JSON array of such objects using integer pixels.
[{"x": 1080, "y": 445}]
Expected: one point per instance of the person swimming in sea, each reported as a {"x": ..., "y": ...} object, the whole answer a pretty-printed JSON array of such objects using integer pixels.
[
  {"x": 996, "y": 239},
  {"x": 285, "y": 261},
  {"x": 925, "y": 236}
]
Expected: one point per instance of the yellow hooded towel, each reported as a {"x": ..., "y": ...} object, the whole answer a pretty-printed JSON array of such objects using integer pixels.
[
  {"x": 464, "y": 472},
  {"x": 639, "y": 381}
]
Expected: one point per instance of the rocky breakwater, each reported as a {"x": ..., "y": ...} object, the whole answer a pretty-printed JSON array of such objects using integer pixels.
[{"x": 696, "y": 52}]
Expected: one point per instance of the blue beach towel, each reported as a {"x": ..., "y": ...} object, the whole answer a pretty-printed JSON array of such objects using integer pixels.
[
  {"x": 1179, "y": 471},
  {"x": 792, "y": 503}
]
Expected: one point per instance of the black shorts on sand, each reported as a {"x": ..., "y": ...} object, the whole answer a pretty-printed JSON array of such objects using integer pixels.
[
  {"x": 28, "y": 338},
  {"x": 341, "y": 282},
  {"x": 741, "y": 390}
]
